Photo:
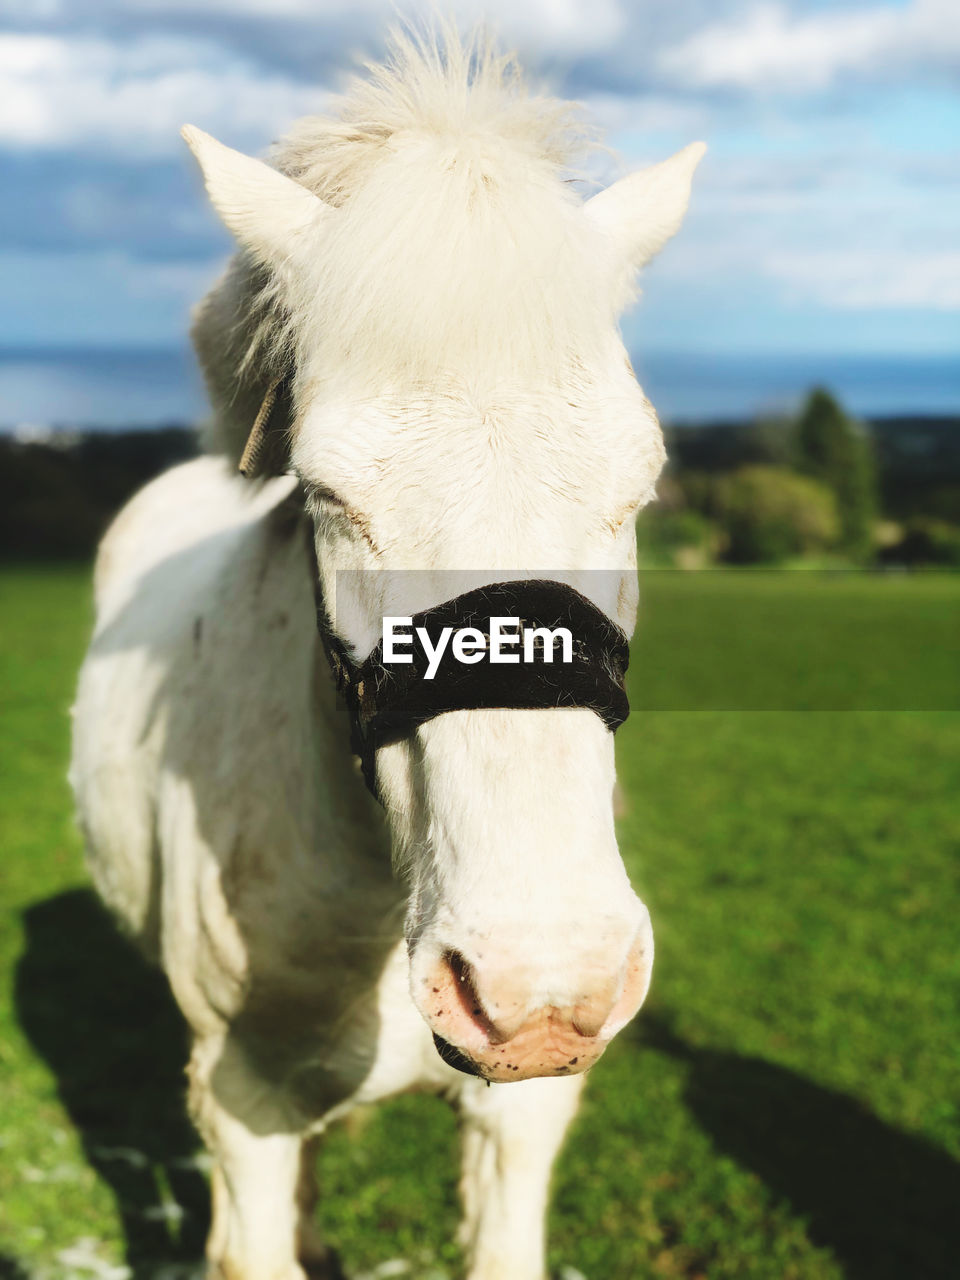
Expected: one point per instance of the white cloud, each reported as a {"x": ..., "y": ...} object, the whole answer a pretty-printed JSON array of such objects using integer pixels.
[
  {"x": 560, "y": 26},
  {"x": 572, "y": 26},
  {"x": 133, "y": 97},
  {"x": 771, "y": 48},
  {"x": 844, "y": 232},
  {"x": 851, "y": 280}
]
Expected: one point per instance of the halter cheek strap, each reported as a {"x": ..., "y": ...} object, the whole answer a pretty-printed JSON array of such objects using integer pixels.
[{"x": 388, "y": 701}]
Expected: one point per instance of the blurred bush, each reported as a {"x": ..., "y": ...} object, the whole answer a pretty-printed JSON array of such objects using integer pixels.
[
  {"x": 924, "y": 541},
  {"x": 681, "y": 539},
  {"x": 769, "y": 514}
]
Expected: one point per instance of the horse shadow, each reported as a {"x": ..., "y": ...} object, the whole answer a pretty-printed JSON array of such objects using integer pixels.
[
  {"x": 106, "y": 1023},
  {"x": 887, "y": 1203}
]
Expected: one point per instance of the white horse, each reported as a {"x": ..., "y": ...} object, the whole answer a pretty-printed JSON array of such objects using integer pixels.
[{"x": 446, "y": 305}]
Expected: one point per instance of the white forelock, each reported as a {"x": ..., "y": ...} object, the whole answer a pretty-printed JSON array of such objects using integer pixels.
[{"x": 459, "y": 242}]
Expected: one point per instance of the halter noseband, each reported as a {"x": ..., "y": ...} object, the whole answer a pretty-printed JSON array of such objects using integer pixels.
[{"x": 388, "y": 702}]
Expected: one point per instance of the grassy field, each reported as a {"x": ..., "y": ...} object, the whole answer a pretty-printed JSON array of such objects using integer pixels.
[{"x": 786, "y": 1105}]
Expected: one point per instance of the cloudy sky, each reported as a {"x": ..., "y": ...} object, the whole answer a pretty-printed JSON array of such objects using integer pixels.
[{"x": 826, "y": 216}]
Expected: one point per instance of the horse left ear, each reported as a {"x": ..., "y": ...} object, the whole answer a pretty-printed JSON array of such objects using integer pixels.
[
  {"x": 266, "y": 211},
  {"x": 642, "y": 211}
]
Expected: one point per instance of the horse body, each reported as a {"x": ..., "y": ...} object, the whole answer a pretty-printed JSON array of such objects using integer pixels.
[
  {"x": 231, "y": 833},
  {"x": 435, "y": 426}
]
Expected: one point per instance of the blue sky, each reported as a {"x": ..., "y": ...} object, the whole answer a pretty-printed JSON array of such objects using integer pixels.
[{"x": 826, "y": 217}]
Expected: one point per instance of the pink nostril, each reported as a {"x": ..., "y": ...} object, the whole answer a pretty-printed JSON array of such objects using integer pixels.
[
  {"x": 463, "y": 986},
  {"x": 449, "y": 995},
  {"x": 590, "y": 1015},
  {"x": 636, "y": 984}
]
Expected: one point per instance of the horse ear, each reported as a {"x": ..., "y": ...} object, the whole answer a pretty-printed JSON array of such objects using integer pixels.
[
  {"x": 642, "y": 211},
  {"x": 265, "y": 210}
]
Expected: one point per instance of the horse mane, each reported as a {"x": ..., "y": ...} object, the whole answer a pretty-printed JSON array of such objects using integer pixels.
[{"x": 458, "y": 242}]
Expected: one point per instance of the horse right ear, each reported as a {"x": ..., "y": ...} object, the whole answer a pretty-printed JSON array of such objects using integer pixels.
[
  {"x": 641, "y": 212},
  {"x": 268, "y": 212}
]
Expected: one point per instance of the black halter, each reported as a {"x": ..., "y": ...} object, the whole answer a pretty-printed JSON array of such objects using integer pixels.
[{"x": 387, "y": 702}]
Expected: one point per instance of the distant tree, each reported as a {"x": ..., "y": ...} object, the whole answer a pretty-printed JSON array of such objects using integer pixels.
[
  {"x": 769, "y": 513},
  {"x": 835, "y": 450}
]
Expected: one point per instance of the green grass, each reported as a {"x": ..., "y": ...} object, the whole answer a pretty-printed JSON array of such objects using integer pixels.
[{"x": 784, "y": 1106}]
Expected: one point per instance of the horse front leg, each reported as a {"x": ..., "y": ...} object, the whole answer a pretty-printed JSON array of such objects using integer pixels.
[
  {"x": 254, "y": 1229},
  {"x": 511, "y": 1136},
  {"x": 260, "y": 1175}
]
